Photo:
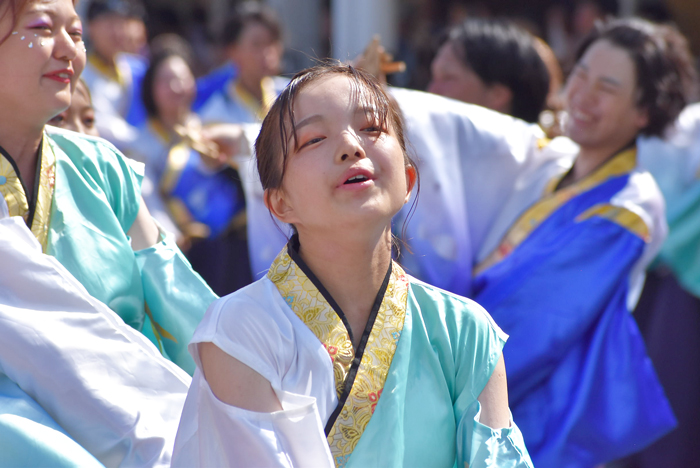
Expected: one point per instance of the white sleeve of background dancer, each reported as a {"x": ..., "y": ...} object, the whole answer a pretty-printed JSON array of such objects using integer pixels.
[{"x": 101, "y": 380}]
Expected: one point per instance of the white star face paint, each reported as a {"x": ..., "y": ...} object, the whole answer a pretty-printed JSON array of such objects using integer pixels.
[
  {"x": 31, "y": 44},
  {"x": 14, "y": 32},
  {"x": 21, "y": 38}
]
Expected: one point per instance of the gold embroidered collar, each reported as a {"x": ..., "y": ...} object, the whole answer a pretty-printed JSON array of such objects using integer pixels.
[
  {"x": 359, "y": 374},
  {"x": 553, "y": 198},
  {"x": 36, "y": 210},
  {"x": 269, "y": 95}
]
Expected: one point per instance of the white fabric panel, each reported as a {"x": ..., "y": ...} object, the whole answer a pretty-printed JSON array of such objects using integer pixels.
[
  {"x": 101, "y": 380},
  {"x": 257, "y": 327}
]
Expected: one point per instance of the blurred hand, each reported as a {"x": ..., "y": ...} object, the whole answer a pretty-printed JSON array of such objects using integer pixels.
[
  {"x": 377, "y": 61},
  {"x": 217, "y": 143}
]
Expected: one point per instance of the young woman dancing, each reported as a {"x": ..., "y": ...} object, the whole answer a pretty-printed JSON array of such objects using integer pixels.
[{"x": 337, "y": 356}]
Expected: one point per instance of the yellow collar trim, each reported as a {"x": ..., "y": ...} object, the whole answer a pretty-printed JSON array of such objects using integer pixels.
[
  {"x": 309, "y": 304},
  {"x": 111, "y": 71},
  {"x": 160, "y": 131},
  {"x": 12, "y": 189},
  {"x": 622, "y": 163},
  {"x": 251, "y": 102}
]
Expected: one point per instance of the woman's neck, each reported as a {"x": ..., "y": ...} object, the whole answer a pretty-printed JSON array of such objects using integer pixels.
[
  {"x": 588, "y": 160},
  {"x": 22, "y": 144},
  {"x": 352, "y": 269},
  {"x": 169, "y": 122},
  {"x": 253, "y": 86}
]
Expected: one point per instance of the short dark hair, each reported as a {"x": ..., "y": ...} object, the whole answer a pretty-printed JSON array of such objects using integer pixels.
[
  {"x": 124, "y": 8},
  {"x": 250, "y": 12},
  {"x": 162, "y": 48},
  {"x": 665, "y": 75},
  {"x": 500, "y": 52}
]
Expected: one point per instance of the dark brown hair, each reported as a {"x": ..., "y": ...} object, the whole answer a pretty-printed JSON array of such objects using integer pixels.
[
  {"x": 501, "y": 52},
  {"x": 162, "y": 47},
  {"x": 665, "y": 75},
  {"x": 272, "y": 147},
  {"x": 246, "y": 13}
]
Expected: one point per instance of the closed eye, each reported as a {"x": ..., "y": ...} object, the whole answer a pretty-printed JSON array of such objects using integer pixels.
[{"x": 311, "y": 142}]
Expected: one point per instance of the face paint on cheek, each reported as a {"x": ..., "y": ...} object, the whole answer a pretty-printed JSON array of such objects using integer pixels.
[{"x": 31, "y": 44}]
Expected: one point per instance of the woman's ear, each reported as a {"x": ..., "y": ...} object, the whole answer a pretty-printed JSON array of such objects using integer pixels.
[
  {"x": 277, "y": 204},
  {"x": 411, "y": 178}
]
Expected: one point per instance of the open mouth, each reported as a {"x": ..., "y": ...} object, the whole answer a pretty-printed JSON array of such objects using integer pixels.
[{"x": 356, "y": 179}]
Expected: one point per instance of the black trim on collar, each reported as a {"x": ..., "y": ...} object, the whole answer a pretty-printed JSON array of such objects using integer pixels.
[
  {"x": 628, "y": 146},
  {"x": 31, "y": 201},
  {"x": 293, "y": 250}
]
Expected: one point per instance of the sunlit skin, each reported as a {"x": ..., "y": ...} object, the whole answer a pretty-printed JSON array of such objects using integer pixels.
[
  {"x": 38, "y": 83},
  {"x": 173, "y": 91},
  {"x": 80, "y": 116},
  {"x": 451, "y": 78},
  {"x": 344, "y": 228},
  {"x": 338, "y": 140},
  {"x": 601, "y": 102},
  {"x": 111, "y": 33},
  {"x": 256, "y": 55}
]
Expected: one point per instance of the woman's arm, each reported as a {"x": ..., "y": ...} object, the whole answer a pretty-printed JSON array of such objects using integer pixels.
[
  {"x": 494, "y": 399},
  {"x": 144, "y": 232},
  {"x": 235, "y": 383}
]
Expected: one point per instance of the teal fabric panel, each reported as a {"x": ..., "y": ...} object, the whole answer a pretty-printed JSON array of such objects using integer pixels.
[
  {"x": 29, "y": 437},
  {"x": 448, "y": 349},
  {"x": 97, "y": 196},
  {"x": 177, "y": 298}
]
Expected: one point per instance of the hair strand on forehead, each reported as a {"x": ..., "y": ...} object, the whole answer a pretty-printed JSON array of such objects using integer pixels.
[{"x": 278, "y": 135}]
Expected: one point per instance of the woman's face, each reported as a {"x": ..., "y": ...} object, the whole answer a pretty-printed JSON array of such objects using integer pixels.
[
  {"x": 451, "y": 78},
  {"x": 601, "y": 99},
  {"x": 173, "y": 87},
  {"x": 41, "y": 60},
  {"x": 256, "y": 53},
  {"x": 80, "y": 116},
  {"x": 347, "y": 172}
]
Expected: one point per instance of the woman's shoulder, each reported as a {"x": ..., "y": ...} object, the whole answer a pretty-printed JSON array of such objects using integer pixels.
[
  {"x": 453, "y": 311},
  {"x": 86, "y": 150},
  {"x": 253, "y": 309},
  {"x": 253, "y": 326}
]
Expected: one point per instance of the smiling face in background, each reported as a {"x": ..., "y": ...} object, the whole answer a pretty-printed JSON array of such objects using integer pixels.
[
  {"x": 173, "y": 88},
  {"x": 601, "y": 98},
  {"x": 257, "y": 53},
  {"x": 451, "y": 78},
  {"x": 347, "y": 172},
  {"x": 41, "y": 60},
  {"x": 80, "y": 116}
]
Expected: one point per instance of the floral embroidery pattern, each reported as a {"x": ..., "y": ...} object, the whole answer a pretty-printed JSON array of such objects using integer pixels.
[
  {"x": 311, "y": 307},
  {"x": 17, "y": 200}
]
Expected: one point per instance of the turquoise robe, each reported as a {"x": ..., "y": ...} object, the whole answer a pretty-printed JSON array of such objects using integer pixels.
[
  {"x": 96, "y": 200},
  {"x": 405, "y": 396}
]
